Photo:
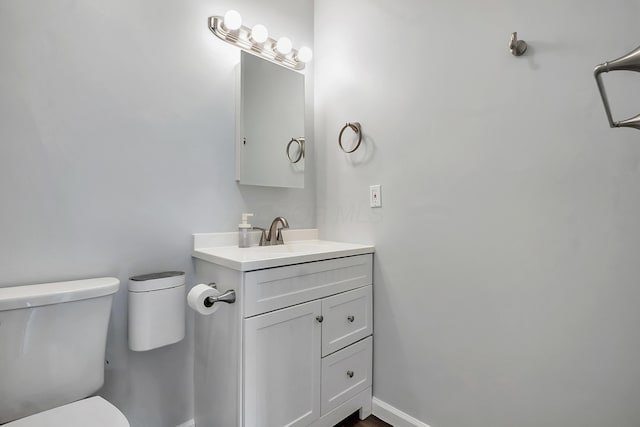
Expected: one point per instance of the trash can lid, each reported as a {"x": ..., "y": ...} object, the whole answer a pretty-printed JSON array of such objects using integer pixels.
[{"x": 156, "y": 281}]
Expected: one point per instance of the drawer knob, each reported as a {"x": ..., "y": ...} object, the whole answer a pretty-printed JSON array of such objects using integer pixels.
[
  {"x": 351, "y": 318},
  {"x": 320, "y": 318},
  {"x": 350, "y": 374}
]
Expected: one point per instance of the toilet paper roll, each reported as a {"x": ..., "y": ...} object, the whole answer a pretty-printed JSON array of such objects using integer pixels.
[{"x": 198, "y": 294}]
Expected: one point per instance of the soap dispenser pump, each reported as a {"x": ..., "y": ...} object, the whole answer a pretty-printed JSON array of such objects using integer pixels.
[{"x": 243, "y": 231}]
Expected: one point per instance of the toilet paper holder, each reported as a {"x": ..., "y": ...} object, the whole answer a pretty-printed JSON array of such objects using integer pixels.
[{"x": 229, "y": 297}]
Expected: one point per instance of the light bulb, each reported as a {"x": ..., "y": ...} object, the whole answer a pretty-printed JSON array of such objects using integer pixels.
[
  {"x": 304, "y": 54},
  {"x": 284, "y": 45},
  {"x": 259, "y": 33},
  {"x": 232, "y": 20}
]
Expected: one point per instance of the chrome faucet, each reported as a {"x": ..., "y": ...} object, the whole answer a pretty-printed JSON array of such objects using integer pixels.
[{"x": 274, "y": 236}]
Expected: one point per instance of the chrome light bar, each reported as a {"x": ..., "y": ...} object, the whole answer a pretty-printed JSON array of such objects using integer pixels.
[{"x": 241, "y": 38}]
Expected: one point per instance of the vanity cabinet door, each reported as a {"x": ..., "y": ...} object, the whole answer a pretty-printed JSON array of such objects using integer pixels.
[{"x": 282, "y": 367}]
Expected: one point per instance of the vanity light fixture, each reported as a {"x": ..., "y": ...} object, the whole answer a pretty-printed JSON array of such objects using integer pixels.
[
  {"x": 284, "y": 46},
  {"x": 259, "y": 34},
  {"x": 304, "y": 54},
  {"x": 232, "y": 20},
  {"x": 256, "y": 40}
]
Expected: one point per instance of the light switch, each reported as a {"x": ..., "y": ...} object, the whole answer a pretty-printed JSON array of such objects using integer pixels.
[{"x": 375, "y": 198}]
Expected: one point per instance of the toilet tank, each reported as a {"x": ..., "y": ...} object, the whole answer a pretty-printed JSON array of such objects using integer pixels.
[{"x": 52, "y": 343}]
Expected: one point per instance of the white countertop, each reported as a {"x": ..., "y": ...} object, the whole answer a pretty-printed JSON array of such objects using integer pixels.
[{"x": 300, "y": 246}]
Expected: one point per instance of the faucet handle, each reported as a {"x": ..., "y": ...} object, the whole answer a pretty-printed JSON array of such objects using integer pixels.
[{"x": 263, "y": 235}]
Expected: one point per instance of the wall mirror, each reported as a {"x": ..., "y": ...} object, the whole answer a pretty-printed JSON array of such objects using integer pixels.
[{"x": 270, "y": 124}]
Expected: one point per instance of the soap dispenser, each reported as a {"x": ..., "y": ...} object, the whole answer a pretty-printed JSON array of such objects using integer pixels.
[{"x": 243, "y": 231}]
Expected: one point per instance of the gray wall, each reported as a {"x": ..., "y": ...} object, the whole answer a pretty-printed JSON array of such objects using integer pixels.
[
  {"x": 506, "y": 289},
  {"x": 506, "y": 273},
  {"x": 116, "y": 144}
]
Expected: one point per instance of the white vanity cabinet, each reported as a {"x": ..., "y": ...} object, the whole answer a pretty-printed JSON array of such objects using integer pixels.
[{"x": 295, "y": 349}]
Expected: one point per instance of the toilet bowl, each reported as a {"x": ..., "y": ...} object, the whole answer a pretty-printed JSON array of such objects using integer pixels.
[
  {"x": 52, "y": 351},
  {"x": 91, "y": 412}
]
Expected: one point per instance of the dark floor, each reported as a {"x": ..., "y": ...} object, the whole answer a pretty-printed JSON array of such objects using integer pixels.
[{"x": 371, "y": 421}]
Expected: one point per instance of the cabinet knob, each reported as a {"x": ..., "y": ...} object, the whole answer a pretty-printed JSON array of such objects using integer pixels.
[
  {"x": 350, "y": 374},
  {"x": 320, "y": 318},
  {"x": 351, "y": 318}
]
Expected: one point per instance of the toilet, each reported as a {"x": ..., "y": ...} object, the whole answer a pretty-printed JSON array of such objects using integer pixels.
[{"x": 52, "y": 351}]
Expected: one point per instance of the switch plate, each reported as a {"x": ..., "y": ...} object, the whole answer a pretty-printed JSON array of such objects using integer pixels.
[{"x": 375, "y": 198}]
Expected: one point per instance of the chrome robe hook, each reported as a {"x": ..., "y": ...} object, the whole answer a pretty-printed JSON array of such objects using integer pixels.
[{"x": 517, "y": 47}]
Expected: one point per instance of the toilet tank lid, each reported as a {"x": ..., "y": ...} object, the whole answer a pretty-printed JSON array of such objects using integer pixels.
[{"x": 28, "y": 296}]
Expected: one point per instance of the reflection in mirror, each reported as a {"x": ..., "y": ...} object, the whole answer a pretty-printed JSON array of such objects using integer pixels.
[{"x": 270, "y": 133}]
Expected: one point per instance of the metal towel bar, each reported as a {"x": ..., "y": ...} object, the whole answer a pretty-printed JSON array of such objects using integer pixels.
[{"x": 628, "y": 62}]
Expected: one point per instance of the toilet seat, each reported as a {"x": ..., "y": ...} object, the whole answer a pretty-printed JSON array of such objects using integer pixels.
[{"x": 94, "y": 412}]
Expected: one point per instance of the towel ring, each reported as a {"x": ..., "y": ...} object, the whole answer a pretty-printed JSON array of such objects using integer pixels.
[
  {"x": 300, "y": 142},
  {"x": 355, "y": 126}
]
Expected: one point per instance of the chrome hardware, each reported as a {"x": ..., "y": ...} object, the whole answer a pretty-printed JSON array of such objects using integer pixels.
[
  {"x": 351, "y": 318},
  {"x": 229, "y": 297},
  {"x": 355, "y": 126},
  {"x": 241, "y": 38},
  {"x": 628, "y": 62},
  {"x": 300, "y": 142},
  {"x": 320, "y": 318},
  {"x": 274, "y": 236},
  {"x": 517, "y": 47},
  {"x": 350, "y": 374}
]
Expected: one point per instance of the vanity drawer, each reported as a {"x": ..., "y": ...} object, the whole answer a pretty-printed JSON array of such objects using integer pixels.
[
  {"x": 347, "y": 317},
  {"x": 345, "y": 374},
  {"x": 274, "y": 288}
]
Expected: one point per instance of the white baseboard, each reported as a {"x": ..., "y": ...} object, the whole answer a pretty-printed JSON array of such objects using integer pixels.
[
  {"x": 394, "y": 416},
  {"x": 381, "y": 409}
]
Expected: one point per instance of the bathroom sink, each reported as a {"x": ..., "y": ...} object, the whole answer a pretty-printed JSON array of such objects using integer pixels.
[{"x": 220, "y": 248}]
